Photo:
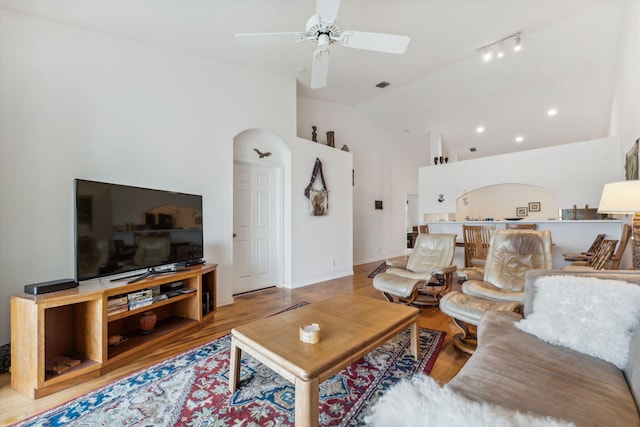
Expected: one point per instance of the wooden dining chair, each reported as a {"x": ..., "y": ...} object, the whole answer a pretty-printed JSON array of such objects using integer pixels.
[
  {"x": 513, "y": 226},
  {"x": 599, "y": 258},
  {"x": 586, "y": 255},
  {"x": 476, "y": 244},
  {"x": 613, "y": 263}
]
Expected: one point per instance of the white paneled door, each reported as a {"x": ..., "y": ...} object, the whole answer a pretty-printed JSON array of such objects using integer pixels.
[{"x": 257, "y": 210}]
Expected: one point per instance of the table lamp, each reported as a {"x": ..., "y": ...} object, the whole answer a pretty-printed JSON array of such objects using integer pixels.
[{"x": 621, "y": 197}]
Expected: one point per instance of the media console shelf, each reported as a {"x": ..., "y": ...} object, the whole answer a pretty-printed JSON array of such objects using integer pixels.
[{"x": 68, "y": 331}]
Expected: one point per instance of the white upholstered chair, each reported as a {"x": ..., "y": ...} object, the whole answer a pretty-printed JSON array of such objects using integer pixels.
[
  {"x": 511, "y": 254},
  {"x": 425, "y": 276}
]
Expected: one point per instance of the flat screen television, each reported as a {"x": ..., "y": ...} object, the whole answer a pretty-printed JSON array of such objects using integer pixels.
[{"x": 121, "y": 229}]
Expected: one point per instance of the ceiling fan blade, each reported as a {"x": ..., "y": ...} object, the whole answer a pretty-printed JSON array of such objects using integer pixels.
[
  {"x": 327, "y": 9},
  {"x": 389, "y": 43},
  {"x": 269, "y": 38},
  {"x": 320, "y": 68}
]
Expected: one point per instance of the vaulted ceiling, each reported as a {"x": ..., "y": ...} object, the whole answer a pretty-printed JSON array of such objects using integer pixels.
[{"x": 440, "y": 86}]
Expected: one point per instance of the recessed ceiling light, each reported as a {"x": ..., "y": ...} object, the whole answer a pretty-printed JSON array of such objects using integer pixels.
[
  {"x": 480, "y": 129},
  {"x": 487, "y": 56},
  {"x": 552, "y": 112},
  {"x": 382, "y": 85},
  {"x": 519, "y": 139}
]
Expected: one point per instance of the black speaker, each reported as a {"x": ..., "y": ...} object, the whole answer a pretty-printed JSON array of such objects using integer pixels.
[
  {"x": 206, "y": 303},
  {"x": 51, "y": 286}
]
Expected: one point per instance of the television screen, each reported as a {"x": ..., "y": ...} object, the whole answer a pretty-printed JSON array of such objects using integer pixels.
[{"x": 121, "y": 228}]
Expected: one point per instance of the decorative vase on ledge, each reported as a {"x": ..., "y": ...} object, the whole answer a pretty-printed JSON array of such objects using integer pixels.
[
  {"x": 331, "y": 138},
  {"x": 148, "y": 322}
]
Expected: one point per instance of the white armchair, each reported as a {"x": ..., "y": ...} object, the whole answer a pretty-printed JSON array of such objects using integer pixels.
[{"x": 423, "y": 278}]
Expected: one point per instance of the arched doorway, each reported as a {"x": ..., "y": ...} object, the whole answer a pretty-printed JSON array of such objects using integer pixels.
[{"x": 258, "y": 210}]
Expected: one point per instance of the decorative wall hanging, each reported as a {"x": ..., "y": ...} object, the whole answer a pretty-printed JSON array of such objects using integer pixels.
[
  {"x": 378, "y": 204},
  {"x": 522, "y": 211},
  {"x": 261, "y": 154},
  {"x": 631, "y": 162},
  {"x": 534, "y": 206},
  {"x": 317, "y": 191}
]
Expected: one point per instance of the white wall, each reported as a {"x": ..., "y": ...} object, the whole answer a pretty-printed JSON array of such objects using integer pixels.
[
  {"x": 576, "y": 172},
  {"x": 383, "y": 170},
  {"x": 80, "y": 104},
  {"x": 626, "y": 102},
  {"x": 327, "y": 252}
]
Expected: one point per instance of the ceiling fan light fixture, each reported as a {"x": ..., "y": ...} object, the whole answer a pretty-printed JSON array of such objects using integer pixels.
[
  {"x": 322, "y": 30},
  {"x": 323, "y": 40}
]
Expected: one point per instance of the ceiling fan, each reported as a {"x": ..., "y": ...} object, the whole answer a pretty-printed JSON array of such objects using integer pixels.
[{"x": 322, "y": 30}]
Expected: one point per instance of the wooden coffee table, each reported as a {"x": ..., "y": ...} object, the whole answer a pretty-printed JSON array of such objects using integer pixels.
[{"x": 351, "y": 326}]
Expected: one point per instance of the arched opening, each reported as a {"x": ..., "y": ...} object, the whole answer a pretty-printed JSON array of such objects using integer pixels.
[
  {"x": 261, "y": 224},
  {"x": 501, "y": 201}
]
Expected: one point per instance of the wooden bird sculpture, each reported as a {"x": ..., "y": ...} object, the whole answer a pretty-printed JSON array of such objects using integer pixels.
[{"x": 261, "y": 154}]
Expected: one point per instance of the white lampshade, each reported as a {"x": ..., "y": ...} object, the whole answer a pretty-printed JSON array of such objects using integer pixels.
[{"x": 620, "y": 198}]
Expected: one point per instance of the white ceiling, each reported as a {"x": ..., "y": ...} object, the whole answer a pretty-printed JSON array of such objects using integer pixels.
[{"x": 439, "y": 85}]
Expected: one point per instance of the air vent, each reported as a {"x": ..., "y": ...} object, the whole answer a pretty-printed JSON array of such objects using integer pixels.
[{"x": 382, "y": 85}]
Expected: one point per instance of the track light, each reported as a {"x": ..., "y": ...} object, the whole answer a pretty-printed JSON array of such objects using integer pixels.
[
  {"x": 517, "y": 46},
  {"x": 487, "y": 50}
]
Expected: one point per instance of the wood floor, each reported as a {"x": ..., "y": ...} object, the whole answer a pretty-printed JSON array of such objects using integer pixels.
[{"x": 14, "y": 406}]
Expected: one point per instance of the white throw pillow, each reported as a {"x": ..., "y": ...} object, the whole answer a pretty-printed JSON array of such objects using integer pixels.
[
  {"x": 421, "y": 402},
  {"x": 590, "y": 315}
]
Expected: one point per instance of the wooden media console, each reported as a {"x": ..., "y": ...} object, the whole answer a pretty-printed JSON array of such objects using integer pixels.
[{"x": 68, "y": 331}]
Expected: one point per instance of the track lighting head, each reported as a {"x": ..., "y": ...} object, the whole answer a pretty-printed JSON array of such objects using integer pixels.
[{"x": 487, "y": 50}]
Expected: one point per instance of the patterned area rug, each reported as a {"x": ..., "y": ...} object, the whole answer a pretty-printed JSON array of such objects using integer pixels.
[
  {"x": 379, "y": 269},
  {"x": 191, "y": 389}
]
